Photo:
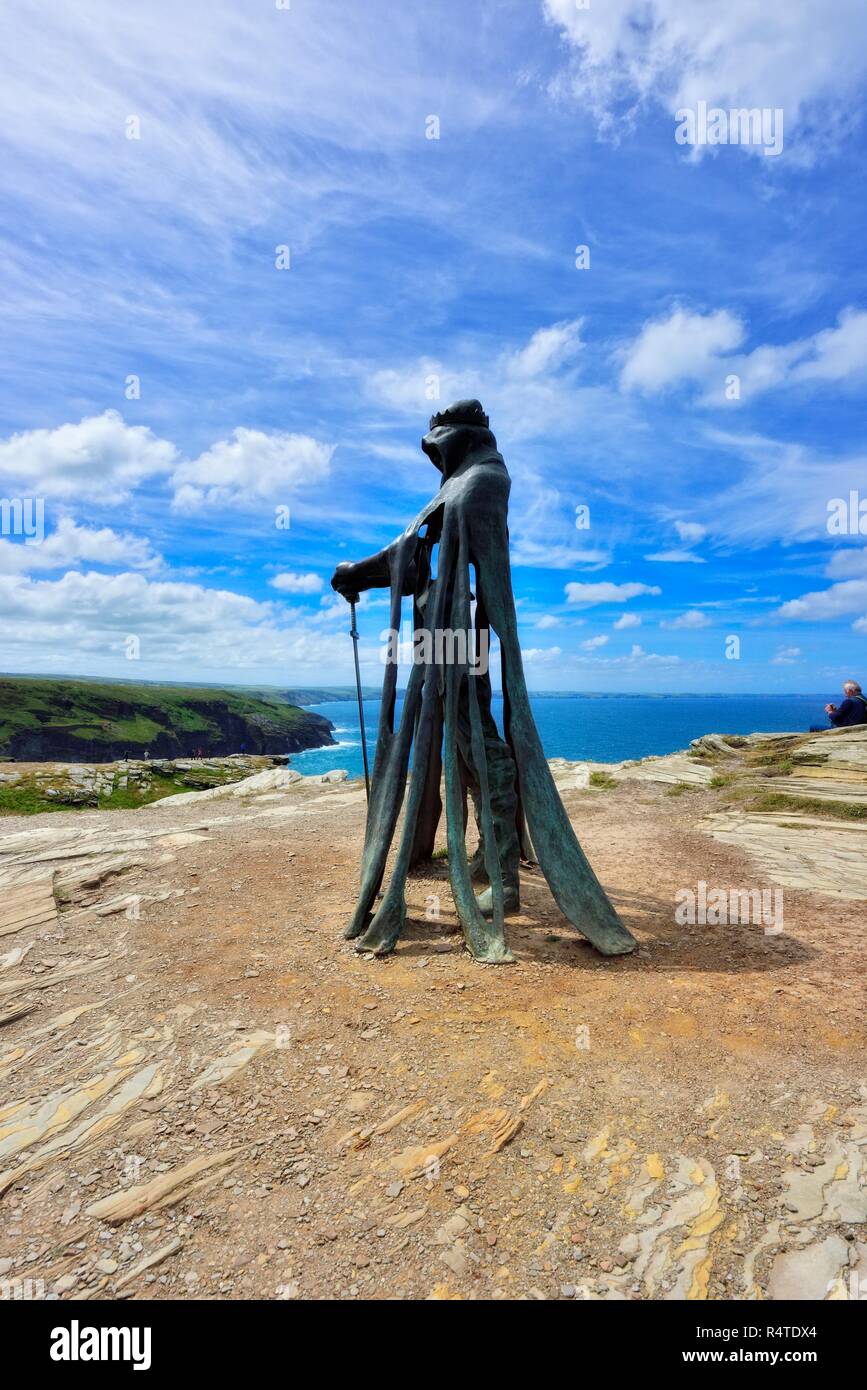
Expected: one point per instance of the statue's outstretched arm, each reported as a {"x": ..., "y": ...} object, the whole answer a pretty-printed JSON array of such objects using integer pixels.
[{"x": 373, "y": 573}]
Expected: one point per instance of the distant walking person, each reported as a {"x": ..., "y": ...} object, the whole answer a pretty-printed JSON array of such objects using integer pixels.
[{"x": 852, "y": 711}]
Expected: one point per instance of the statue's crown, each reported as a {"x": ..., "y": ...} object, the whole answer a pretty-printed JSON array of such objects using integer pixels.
[{"x": 461, "y": 413}]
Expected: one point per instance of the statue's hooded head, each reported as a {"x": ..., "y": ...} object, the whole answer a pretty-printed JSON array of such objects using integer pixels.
[{"x": 456, "y": 432}]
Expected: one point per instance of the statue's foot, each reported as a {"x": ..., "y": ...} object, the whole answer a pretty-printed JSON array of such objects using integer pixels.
[
  {"x": 381, "y": 936},
  {"x": 511, "y": 901},
  {"x": 496, "y": 953},
  {"x": 356, "y": 927}
]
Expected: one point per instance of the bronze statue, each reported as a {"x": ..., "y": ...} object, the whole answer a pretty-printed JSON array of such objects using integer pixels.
[{"x": 447, "y": 722}]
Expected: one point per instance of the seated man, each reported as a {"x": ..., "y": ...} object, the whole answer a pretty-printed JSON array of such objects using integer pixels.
[{"x": 852, "y": 711}]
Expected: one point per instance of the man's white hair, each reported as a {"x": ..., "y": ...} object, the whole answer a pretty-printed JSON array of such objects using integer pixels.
[{"x": 853, "y": 686}]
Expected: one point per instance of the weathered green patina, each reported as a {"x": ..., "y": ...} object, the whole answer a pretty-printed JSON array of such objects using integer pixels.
[{"x": 447, "y": 723}]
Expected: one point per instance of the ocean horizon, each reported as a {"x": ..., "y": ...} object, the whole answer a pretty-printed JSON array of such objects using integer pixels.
[{"x": 606, "y": 727}]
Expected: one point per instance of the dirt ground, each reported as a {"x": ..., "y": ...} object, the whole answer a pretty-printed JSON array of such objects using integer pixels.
[{"x": 273, "y": 1115}]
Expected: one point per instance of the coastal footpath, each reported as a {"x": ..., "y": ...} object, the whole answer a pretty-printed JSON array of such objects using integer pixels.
[{"x": 209, "y": 1093}]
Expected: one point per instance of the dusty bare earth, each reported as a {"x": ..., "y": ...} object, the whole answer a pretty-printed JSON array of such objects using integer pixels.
[{"x": 206, "y": 1093}]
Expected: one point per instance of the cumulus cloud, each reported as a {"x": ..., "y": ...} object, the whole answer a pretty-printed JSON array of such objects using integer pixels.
[
  {"x": 639, "y": 655},
  {"x": 593, "y": 642},
  {"x": 692, "y": 619},
  {"x": 606, "y": 592},
  {"x": 690, "y": 533},
  {"x": 292, "y": 583},
  {"x": 548, "y": 348},
  {"x": 786, "y": 656},
  {"x": 250, "y": 467},
  {"x": 100, "y": 459},
  {"x": 849, "y": 596},
  {"x": 540, "y": 656},
  {"x": 71, "y": 544},
  {"x": 680, "y": 347},
  {"x": 803, "y": 56},
  {"x": 532, "y": 390},
  {"x": 847, "y": 564},
  {"x": 626, "y": 620},
  {"x": 684, "y": 347},
  {"x": 83, "y": 620}
]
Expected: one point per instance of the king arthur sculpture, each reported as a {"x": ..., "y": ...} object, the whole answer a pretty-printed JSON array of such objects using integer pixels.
[{"x": 447, "y": 724}]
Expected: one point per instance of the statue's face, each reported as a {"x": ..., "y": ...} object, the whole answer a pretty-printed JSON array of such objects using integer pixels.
[{"x": 436, "y": 445}]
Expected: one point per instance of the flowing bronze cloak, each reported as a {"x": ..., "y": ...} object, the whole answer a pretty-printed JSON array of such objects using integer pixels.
[{"x": 467, "y": 520}]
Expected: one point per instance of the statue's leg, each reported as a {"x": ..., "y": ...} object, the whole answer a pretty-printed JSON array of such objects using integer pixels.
[
  {"x": 431, "y": 807},
  {"x": 386, "y": 797},
  {"x": 485, "y": 939},
  {"x": 501, "y": 776},
  {"x": 570, "y": 877},
  {"x": 388, "y": 923}
]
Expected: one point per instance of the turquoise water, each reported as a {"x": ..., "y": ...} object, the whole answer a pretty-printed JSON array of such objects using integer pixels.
[{"x": 599, "y": 728}]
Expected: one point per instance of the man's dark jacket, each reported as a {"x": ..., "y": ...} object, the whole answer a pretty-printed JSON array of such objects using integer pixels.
[{"x": 852, "y": 711}]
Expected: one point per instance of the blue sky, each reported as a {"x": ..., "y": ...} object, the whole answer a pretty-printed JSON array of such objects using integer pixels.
[{"x": 419, "y": 265}]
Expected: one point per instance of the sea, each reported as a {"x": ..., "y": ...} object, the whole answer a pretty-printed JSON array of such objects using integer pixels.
[{"x": 594, "y": 728}]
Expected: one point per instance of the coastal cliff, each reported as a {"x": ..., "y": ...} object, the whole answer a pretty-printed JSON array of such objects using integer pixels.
[{"x": 80, "y": 721}]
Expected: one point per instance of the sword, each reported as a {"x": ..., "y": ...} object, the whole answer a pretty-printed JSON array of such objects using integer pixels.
[{"x": 353, "y": 632}]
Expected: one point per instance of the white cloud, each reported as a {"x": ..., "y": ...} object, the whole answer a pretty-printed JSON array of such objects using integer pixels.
[
  {"x": 607, "y": 592},
  {"x": 680, "y": 347},
  {"x": 541, "y": 656},
  {"x": 780, "y": 490},
  {"x": 860, "y": 624},
  {"x": 692, "y": 619},
  {"x": 546, "y": 621},
  {"x": 690, "y": 532},
  {"x": 593, "y": 642},
  {"x": 251, "y": 466},
  {"x": 638, "y": 654},
  {"x": 786, "y": 656},
  {"x": 847, "y": 564},
  {"x": 804, "y": 55},
  {"x": 841, "y": 599},
  {"x": 538, "y": 555},
  {"x": 100, "y": 459},
  {"x": 103, "y": 460},
  {"x": 626, "y": 620},
  {"x": 292, "y": 583},
  {"x": 684, "y": 347},
  {"x": 548, "y": 349},
  {"x": 70, "y": 544},
  {"x": 81, "y": 621},
  {"x": 835, "y": 354},
  {"x": 531, "y": 391},
  {"x": 675, "y": 557}
]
